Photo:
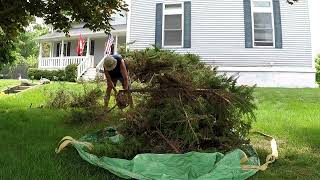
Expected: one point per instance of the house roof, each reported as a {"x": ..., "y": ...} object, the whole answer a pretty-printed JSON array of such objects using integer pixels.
[{"x": 85, "y": 32}]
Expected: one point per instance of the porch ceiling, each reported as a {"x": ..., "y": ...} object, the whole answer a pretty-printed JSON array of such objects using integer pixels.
[{"x": 85, "y": 32}]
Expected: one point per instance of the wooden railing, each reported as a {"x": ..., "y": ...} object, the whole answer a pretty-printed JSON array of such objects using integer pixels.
[
  {"x": 100, "y": 69},
  {"x": 53, "y": 63},
  {"x": 59, "y": 62},
  {"x": 86, "y": 64}
]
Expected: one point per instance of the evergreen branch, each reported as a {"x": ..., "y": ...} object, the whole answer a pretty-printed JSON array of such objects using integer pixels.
[
  {"x": 188, "y": 121},
  {"x": 168, "y": 142}
]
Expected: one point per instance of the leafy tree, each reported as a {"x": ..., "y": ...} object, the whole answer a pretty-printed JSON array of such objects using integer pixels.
[
  {"x": 26, "y": 43},
  {"x": 6, "y": 48},
  {"x": 17, "y": 14},
  {"x": 24, "y": 53}
]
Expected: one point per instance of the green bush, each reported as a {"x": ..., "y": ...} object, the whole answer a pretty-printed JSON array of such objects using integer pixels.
[
  {"x": 34, "y": 73},
  {"x": 318, "y": 69},
  {"x": 71, "y": 73}
]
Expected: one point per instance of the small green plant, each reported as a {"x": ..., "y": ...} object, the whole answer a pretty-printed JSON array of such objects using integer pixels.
[
  {"x": 84, "y": 105},
  {"x": 59, "y": 100}
]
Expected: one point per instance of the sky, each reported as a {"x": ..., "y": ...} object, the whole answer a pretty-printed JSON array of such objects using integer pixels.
[{"x": 315, "y": 25}]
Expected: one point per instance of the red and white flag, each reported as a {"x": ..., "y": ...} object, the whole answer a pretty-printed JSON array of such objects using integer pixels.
[
  {"x": 108, "y": 44},
  {"x": 80, "y": 46}
]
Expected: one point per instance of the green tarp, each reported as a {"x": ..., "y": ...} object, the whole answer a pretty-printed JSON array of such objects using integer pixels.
[{"x": 193, "y": 165}]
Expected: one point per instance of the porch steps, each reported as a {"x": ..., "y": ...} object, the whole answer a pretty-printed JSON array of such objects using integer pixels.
[{"x": 89, "y": 75}]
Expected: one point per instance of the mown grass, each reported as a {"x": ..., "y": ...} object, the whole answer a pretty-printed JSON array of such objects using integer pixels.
[
  {"x": 292, "y": 116},
  {"x": 30, "y": 135},
  {"x": 6, "y": 83}
]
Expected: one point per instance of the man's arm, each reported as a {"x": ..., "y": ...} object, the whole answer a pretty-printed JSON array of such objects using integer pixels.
[
  {"x": 125, "y": 75},
  {"x": 109, "y": 81}
]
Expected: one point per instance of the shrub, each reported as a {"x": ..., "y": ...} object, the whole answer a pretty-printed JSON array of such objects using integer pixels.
[
  {"x": 190, "y": 108},
  {"x": 60, "y": 99},
  {"x": 71, "y": 73},
  {"x": 39, "y": 73},
  {"x": 318, "y": 69},
  {"x": 85, "y": 106},
  {"x": 81, "y": 116},
  {"x": 89, "y": 98}
]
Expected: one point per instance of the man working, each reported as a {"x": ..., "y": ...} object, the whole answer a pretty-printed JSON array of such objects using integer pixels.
[{"x": 115, "y": 69}]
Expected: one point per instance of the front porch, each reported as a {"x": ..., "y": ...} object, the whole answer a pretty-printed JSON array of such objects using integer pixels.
[{"x": 58, "y": 51}]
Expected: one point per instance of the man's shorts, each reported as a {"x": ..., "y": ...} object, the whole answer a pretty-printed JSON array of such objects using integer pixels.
[{"x": 115, "y": 81}]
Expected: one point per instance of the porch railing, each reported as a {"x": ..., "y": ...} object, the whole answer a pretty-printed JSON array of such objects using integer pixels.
[
  {"x": 86, "y": 64},
  {"x": 100, "y": 69},
  {"x": 59, "y": 63}
]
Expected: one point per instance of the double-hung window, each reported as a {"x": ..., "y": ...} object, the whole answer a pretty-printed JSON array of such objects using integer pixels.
[
  {"x": 173, "y": 25},
  {"x": 263, "y": 23}
]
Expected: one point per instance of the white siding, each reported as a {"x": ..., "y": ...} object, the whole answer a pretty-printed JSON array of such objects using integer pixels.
[
  {"x": 98, "y": 50},
  {"x": 218, "y": 33}
]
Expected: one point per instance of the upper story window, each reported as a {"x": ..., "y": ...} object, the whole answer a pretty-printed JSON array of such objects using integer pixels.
[
  {"x": 173, "y": 25},
  {"x": 263, "y": 27}
]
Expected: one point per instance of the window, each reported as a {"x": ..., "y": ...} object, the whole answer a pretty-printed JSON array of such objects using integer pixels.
[
  {"x": 66, "y": 49},
  {"x": 173, "y": 25},
  {"x": 92, "y": 44},
  {"x": 263, "y": 28}
]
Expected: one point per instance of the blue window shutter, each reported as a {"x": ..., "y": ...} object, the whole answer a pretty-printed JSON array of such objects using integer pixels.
[
  {"x": 277, "y": 24},
  {"x": 159, "y": 14},
  {"x": 187, "y": 25},
  {"x": 248, "y": 23}
]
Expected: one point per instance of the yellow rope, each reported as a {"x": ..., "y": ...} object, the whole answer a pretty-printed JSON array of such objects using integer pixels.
[
  {"x": 270, "y": 158},
  {"x": 69, "y": 140}
]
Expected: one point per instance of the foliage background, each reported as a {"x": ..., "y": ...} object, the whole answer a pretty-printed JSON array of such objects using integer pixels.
[
  {"x": 318, "y": 69},
  {"x": 25, "y": 53}
]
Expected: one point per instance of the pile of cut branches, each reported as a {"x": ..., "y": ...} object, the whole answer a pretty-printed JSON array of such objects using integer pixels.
[{"x": 185, "y": 105}]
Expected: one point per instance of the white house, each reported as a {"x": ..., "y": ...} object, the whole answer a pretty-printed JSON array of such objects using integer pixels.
[{"x": 265, "y": 42}]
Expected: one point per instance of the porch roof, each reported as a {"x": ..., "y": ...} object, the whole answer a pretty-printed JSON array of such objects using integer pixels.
[{"x": 85, "y": 32}]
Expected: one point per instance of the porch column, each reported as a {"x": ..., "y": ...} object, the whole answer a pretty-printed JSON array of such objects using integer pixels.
[
  {"x": 40, "y": 54},
  {"x": 51, "y": 49},
  {"x": 61, "y": 53},
  {"x": 116, "y": 45},
  {"x": 88, "y": 47},
  {"x": 88, "y": 58}
]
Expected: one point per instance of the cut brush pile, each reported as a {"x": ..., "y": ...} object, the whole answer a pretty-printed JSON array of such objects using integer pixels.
[{"x": 185, "y": 105}]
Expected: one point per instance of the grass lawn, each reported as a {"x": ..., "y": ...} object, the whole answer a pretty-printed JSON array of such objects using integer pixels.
[
  {"x": 4, "y": 83},
  {"x": 30, "y": 135},
  {"x": 292, "y": 116}
]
